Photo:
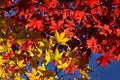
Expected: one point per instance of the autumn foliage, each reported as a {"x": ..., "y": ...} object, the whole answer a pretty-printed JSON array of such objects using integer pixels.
[{"x": 64, "y": 33}]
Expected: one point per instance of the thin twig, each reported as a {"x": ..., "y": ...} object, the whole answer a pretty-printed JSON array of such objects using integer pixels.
[{"x": 21, "y": 70}]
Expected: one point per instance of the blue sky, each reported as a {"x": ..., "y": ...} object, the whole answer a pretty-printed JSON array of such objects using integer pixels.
[{"x": 111, "y": 72}]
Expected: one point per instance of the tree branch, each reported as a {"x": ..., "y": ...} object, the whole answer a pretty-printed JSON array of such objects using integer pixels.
[{"x": 21, "y": 70}]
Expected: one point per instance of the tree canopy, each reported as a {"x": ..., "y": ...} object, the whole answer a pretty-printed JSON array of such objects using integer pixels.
[{"x": 63, "y": 33}]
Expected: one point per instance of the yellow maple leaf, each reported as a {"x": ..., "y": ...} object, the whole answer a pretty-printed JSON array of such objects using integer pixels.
[
  {"x": 2, "y": 49},
  {"x": 42, "y": 67},
  {"x": 62, "y": 65},
  {"x": 57, "y": 55},
  {"x": 1, "y": 60},
  {"x": 47, "y": 57},
  {"x": 17, "y": 77},
  {"x": 2, "y": 73},
  {"x": 60, "y": 38},
  {"x": 20, "y": 63},
  {"x": 84, "y": 72},
  {"x": 33, "y": 76}
]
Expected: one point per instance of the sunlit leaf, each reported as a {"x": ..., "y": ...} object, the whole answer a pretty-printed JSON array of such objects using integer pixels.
[
  {"x": 57, "y": 55},
  {"x": 20, "y": 63},
  {"x": 62, "y": 65},
  {"x": 2, "y": 49},
  {"x": 33, "y": 75},
  {"x": 2, "y": 73},
  {"x": 47, "y": 57},
  {"x": 1, "y": 60},
  {"x": 61, "y": 37}
]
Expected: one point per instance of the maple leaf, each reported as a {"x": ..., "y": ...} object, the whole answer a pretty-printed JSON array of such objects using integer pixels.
[
  {"x": 17, "y": 77},
  {"x": 106, "y": 28},
  {"x": 62, "y": 65},
  {"x": 69, "y": 33},
  {"x": 47, "y": 57},
  {"x": 40, "y": 72},
  {"x": 70, "y": 24},
  {"x": 45, "y": 73},
  {"x": 116, "y": 57},
  {"x": 26, "y": 14},
  {"x": 35, "y": 24},
  {"x": 2, "y": 73},
  {"x": 104, "y": 60},
  {"x": 91, "y": 3},
  {"x": 61, "y": 44},
  {"x": 116, "y": 12},
  {"x": 56, "y": 26},
  {"x": 84, "y": 74},
  {"x": 78, "y": 15},
  {"x": 104, "y": 42},
  {"x": 116, "y": 2},
  {"x": 57, "y": 55},
  {"x": 43, "y": 43},
  {"x": 118, "y": 32},
  {"x": 27, "y": 45},
  {"x": 42, "y": 67},
  {"x": 21, "y": 63},
  {"x": 92, "y": 44},
  {"x": 2, "y": 49},
  {"x": 1, "y": 60},
  {"x": 97, "y": 11},
  {"x": 52, "y": 3},
  {"x": 8, "y": 55},
  {"x": 7, "y": 3},
  {"x": 60, "y": 38},
  {"x": 71, "y": 68},
  {"x": 24, "y": 6},
  {"x": 11, "y": 69},
  {"x": 33, "y": 75}
]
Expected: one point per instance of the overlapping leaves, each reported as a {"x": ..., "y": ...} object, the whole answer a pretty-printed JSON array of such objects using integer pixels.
[{"x": 60, "y": 32}]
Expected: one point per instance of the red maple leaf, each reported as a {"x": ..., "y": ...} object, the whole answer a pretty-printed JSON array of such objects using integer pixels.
[
  {"x": 70, "y": 68},
  {"x": 11, "y": 69},
  {"x": 7, "y": 3},
  {"x": 104, "y": 60},
  {"x": 92, "y": 44},
  {"x": 51, "y": 3},
  {"x": 69, "y": 24},
  {"x": 35, "y": 24},
  {"x": 9, "y": 55},
  {"x": 78, "y": 15},
  {"x": 54, "y": 26},
  {"x": 116, "y": 57},
  {"x": 23, "y": 6},
  {"x": 27, "y": 14},
  {"x": 118, "y": 32},
  {"x": 91, "y": 3},
  {"x": 106, "y": 28},
  {"x": 116, "y": 2},
  {"x": 69, "y": 33},
  {"x": 97, "y": 11},
  {"x": 27, "y": 45}
]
